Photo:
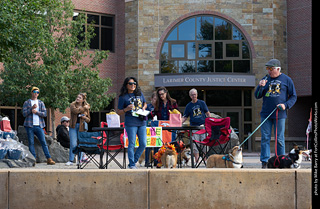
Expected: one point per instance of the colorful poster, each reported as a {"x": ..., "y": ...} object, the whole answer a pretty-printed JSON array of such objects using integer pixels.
[{"x": 154, "y": 137}]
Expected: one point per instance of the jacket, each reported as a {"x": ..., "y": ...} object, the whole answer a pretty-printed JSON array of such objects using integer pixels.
[
  {"x": 63, "y": 136},
  {"x": 27, "y": 113},
  {"x": 75, "y": 111}
]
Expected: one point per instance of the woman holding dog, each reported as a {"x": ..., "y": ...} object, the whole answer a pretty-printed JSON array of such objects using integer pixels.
[{"x": 131, "y": 99}]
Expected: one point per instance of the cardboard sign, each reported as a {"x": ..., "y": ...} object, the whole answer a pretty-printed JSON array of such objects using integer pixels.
[{"x": 154, "y": 137}]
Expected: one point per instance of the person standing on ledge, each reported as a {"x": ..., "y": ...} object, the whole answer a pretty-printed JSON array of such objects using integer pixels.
[
  {"x": 35, "y": 111},
  {"x": 277, "y": 90}
]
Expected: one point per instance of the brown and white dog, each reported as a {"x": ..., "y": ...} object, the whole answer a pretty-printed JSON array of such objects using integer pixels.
[
  {"x": 169, "y": 158},
  {"x": 232, "y": 160}
]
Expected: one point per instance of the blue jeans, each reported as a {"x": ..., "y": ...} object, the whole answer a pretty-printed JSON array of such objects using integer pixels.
[
  {"x": 36, "y": 130},
  {"x": 73, "y": 134},
  {"x": 132, "y": 131},
  {"x": 266, "y": 129}
]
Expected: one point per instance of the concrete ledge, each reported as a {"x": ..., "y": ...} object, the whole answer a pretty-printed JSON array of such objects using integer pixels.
[
  {"x": 78, "y": 189},
  {"x": 223, "y": 188},
  {"x": 165, "y": 188}
]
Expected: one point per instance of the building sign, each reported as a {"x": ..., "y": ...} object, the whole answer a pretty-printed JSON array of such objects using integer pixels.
[{"x": 169, "y": 80}]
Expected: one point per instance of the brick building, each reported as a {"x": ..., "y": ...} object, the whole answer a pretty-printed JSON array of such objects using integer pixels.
[{"x": 220, "y": 47}]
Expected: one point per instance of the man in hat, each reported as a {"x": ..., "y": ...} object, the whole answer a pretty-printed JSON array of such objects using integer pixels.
[
  {"x": 34, "y": 112},
  {"x": 277, "y": 90},
  {"x": 63, "y": 132}
]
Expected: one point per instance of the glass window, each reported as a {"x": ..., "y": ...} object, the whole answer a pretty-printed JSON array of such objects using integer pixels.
[
  {"x": 223, "y": 30},
  {"x": 245, "y": 51},
  {"x": 236, "y": 34},
  {"x": 213, "y": 43},
  {"x": 219, "y": 50},
  {"x": 169, "y": 66},
  {"x": 94, "y": 44},
  {"x": 177, "y": 50},
  {"x": 224, "y": 66},
  {"x": 187, "y": 66},
  {"x": 103, "y": 30},
  {"x": 205, "y": 28},
  {"x": 191, "y": 50},
  {"x": 205, "y": 50},
  {"x": 94, "y": 19},
  {"x": 205, "y": 66},
  {"x": 107, "y": 21},
  {"x": 232, "y": 50},
  {"x": 165, "y": 51},
  {"x": 187, "y": 29},
  {"x": 241, "y": 66},
  {"x": 173, "y": 35},
  {"x": 107, "y": 39},
  {"x": 223, "y": 97}
]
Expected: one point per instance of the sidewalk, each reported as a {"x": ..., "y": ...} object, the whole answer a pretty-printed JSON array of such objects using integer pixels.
[{"x": 250, "y": 160}]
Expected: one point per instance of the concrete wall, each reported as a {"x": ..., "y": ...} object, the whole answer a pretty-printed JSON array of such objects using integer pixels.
[{"x": 187, "y": 188}]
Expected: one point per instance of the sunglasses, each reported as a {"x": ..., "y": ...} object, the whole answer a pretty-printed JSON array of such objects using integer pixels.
[
  {"x": 132, "y": 83},
  {"x": 36, "y": 92},
  {"x": 270, "y": 68},
  {"x": 65, "y": 121}
]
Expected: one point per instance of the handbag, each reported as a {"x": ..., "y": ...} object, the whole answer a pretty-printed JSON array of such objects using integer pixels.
[
  {"x": 175, "y": 120},
  {"x": 113, "y": 119},
  {"x": 5, "y": 125}
]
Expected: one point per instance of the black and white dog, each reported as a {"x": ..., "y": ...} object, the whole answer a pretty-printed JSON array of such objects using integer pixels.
[{"x": 293, "y": 159}]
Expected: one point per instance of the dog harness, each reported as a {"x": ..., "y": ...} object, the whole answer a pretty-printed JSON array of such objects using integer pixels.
[{"x": 227, "y": 158}]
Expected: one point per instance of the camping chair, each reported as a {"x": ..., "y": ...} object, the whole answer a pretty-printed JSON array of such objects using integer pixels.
[
  {"x": 113, "y": 142},
  {"x": 88, "y": 144},
  {"x": 218, "y": 130}
]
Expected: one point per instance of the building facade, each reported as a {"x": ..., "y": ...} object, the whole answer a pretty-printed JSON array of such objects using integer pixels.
[{"x": 219, "y": 47}]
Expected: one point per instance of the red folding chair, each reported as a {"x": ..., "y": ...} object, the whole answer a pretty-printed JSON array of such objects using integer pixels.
[
  {"x": 218, "y": 130},
  {"x": 116, "y": 144}
]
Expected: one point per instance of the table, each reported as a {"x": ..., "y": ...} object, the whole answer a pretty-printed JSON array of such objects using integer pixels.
[
  {"x": 186, "y": 128},
  {"x": 183, "y": 128},
  {"x": 108, "y": 130}
]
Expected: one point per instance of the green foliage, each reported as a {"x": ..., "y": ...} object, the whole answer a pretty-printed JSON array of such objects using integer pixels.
[{"x": 39, "y": 46}]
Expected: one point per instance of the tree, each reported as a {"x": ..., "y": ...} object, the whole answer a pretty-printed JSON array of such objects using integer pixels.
[{"x": 54, "y": 61}]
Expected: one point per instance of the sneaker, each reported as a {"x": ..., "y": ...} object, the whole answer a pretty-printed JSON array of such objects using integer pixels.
[
  {"x": 50, "y": 162},
  {"x": 69, "y": 163},
  {"x": 264, "y": 165},
  {"x": 133, "y": 167}
]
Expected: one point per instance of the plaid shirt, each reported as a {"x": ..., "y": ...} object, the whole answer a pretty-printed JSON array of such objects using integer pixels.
[
  {"x": 169, "y": 107},
  {"x": 27, "y": 113}
]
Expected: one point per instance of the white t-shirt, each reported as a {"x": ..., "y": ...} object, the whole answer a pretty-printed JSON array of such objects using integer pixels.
[{"x": 36, "y": 119}]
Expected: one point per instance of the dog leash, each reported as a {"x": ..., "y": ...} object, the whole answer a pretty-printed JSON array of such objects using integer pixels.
[
  {"x": 259, "y": 126},
  {"x": 276, "y": 142}
]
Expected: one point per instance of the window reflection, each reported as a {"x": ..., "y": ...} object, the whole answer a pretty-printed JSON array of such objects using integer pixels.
[
  {"x": 223, "y": 29},
  {"x": 187, "y": 66},
  {"x": 191, "y": 50},
  {"x": 173, "y": 35},
  {"x": 177, "y": 50},
  {"x": 205, "y": 66},
  {"x": 232, "y": 50},
  {"x": 187, "y": 29},
  {"x": 205, "y": 44},
  {"x": 224, "y": 66},
  {"x": 205, "y": 50},
  {"x": 204, "y": 28}
]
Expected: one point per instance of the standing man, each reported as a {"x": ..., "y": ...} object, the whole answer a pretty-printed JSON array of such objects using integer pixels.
[
  {"x": 34, "y": 111},
  {"x": 277, "y": 90},
  {"x": 198, "y": 111}
]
